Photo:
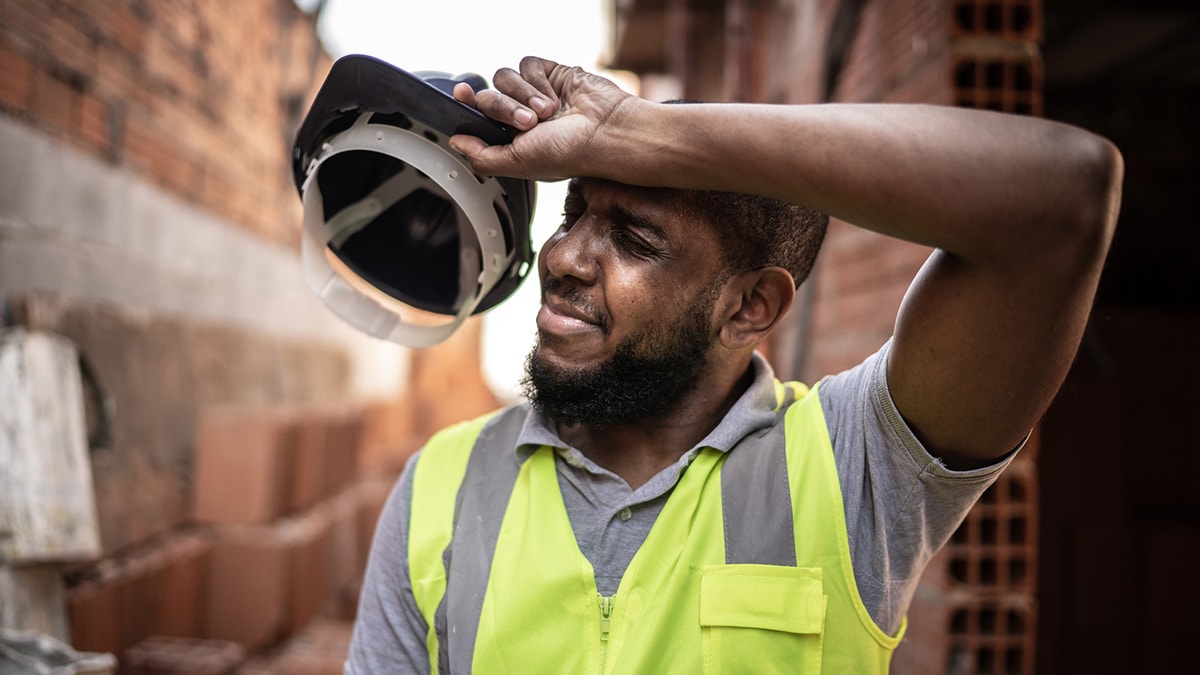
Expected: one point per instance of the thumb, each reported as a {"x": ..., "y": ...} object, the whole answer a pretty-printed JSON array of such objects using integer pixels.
[
  {"x": 488, "y": 160},
  {"x": 470, "y": 146}
]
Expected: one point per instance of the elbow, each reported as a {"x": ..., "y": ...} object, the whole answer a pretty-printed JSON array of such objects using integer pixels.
[
  {"x": 1099, "y": 170},
  {"x": 1079, "y": 210}
]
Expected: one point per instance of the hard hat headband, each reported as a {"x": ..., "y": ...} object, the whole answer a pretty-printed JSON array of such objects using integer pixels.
[{"x": 429, "y": 164}]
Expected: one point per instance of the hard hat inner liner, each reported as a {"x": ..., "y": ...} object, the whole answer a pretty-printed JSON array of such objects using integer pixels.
[{"x": 411, "y": 250}]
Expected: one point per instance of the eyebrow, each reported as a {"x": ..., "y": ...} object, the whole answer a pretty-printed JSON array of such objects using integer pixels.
[
  {"x": 639, "y": 222},
  {"x": 575, "y": 191}
]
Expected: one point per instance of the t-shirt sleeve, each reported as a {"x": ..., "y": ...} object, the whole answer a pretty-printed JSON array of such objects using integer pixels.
[
  {"x": 389, "y": 631},
  {"x": 902, "y": 504}
]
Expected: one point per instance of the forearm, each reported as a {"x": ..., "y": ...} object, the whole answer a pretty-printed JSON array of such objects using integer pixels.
[{"x": 978, "y": 184}]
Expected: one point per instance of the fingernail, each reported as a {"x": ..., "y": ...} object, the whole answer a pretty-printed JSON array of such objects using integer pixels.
[
  {"x": 539, "y": 104},
  {"x": 524, "y": 117}
]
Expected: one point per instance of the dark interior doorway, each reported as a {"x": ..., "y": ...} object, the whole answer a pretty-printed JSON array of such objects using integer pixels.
[{"x": 1120, "y": 501}]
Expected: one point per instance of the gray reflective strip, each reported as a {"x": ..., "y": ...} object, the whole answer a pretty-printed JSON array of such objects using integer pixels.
[
  {"x": 756, "y": 501},
  {"x": 478, "y": 511}
]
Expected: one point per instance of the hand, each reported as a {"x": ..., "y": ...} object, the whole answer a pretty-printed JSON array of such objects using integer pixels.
[{"x": 561, "y": 112}]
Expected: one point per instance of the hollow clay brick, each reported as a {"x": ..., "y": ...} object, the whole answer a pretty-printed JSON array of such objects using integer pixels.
[
  {"x": 310, "y": 459},
  {"x": 181, "y": 606},
  {"x": 248, "y": 585},
  {"x": 242, "y": 466},
  {"x": 344, "y": 569},
  {"x": 92, "y": 612},
  {"x": 309, "y": 567}
]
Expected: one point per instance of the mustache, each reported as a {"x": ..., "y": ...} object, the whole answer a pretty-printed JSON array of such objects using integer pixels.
[{"x": 575, "y": 296}]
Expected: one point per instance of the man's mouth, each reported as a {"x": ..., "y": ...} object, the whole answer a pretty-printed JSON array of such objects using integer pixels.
[{"x": 563, "y": 315}]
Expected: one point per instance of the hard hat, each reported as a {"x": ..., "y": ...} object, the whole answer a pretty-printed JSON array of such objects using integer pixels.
[{"x": 396, "y": 224}]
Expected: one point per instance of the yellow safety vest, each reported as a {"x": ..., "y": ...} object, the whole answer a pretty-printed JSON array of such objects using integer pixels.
[{"x": 746, "y": 570}]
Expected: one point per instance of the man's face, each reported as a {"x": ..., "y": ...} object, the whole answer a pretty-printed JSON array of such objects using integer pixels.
[{"x": 629, "y": 289}]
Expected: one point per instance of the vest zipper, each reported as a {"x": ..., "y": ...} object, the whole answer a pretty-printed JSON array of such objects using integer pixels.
[{"x": 606, "y": 609}]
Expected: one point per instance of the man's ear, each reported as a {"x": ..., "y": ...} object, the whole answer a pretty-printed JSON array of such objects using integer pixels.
[{"x": 755, "y": 301}]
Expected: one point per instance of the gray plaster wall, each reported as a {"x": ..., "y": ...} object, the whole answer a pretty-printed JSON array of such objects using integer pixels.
[{"x": 74, "y": 226}]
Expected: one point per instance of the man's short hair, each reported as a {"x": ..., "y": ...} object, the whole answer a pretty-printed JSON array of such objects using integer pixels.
[{"x": 757, "y": 231}]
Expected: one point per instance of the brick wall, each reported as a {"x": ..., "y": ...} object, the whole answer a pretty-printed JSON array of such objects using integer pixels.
[
  {"x": 894, "y": 44},
  {"x": 897, "y": 53},
  {"x": 147, "y": 214},
  {"x": 198, "y": 97},
  {"x": 975, "y": 610}
]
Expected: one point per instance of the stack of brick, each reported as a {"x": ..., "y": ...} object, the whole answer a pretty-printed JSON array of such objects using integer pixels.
[
  {"x": 157, "y": 589},
  {"x": 283, "y": 523},
  {"x": 278, "y": 486}
]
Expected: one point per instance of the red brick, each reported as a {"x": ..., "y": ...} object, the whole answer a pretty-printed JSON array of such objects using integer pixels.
[
  {"x": 170, "y": 66},
  {"x": 248, "y": 585},
  {"x": 53, "y": 103},
  {"x": 92, "y": 612},
  {"x": 345, "y": 441},
  {"x": 309, "y": 573},
  {"x": 127, "y": 28},
  {"x": 29, "y": 20},
  {"x": 242, "y": 466},
  {"x": 94, "y": 123},
  {"x": 16, "y": 77},
  {"x": 117, "y": 608},
  {"x": 161, "y": 655},
  {"x": 388, "y": 437},
  {"x": 310, "y": 459},
  {"x": 72, "y": 49},
  {"x": 181, "y": 604},
  {"x": 115, "y": 78},
  {"x": 344, "y": 567},
  {"x": 139, "y": 592}
]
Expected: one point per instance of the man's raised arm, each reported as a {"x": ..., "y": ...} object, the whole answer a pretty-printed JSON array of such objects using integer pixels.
[{"x": 1020, "y": 210}]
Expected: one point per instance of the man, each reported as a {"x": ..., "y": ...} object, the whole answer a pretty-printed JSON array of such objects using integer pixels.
[{"x": 663, "y": 505}]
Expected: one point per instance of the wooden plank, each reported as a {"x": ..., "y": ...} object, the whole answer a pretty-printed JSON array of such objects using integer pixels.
[{"x": 47, "y": 504}]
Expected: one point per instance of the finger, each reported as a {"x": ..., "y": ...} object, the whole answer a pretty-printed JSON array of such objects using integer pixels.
[
  {"x": 536, "y": 71},
  {"x": 505, "y": 109},
  {"x": 463, "y": 93},
  {"x": 515, "y": 85}
]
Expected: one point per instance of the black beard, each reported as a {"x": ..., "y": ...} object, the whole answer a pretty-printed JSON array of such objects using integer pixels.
[{"x": 646, "y": 377}]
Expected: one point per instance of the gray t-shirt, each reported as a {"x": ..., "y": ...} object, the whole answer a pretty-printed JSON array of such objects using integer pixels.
[{"x": 901, "y": 506}]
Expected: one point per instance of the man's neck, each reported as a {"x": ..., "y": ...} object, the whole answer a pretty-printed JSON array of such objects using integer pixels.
[{"x": 637, "y": 451}]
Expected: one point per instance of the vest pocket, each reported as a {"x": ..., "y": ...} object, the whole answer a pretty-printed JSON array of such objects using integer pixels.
[{"x": 761, "y": 618}]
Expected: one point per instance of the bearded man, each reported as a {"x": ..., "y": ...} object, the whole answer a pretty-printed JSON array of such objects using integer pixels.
[{"x": 661, "y": 503}]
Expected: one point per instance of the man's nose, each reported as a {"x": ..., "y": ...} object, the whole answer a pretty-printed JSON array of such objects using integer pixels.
[{"x": 572, "y": 253}]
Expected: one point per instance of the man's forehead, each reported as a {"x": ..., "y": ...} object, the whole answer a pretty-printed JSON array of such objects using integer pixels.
[{"x": 651, "y": 202}]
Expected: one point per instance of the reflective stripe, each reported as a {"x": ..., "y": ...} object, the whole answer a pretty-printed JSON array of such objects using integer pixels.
[
  {"x": 756, "y": 501},
  {"x": 478, "y": 512}
]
